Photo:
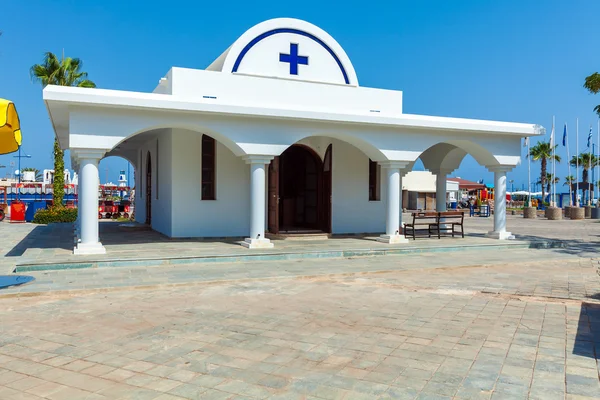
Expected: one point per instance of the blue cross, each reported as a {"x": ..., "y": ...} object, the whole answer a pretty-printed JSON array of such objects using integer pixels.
[{"x": 293, "y": 58}]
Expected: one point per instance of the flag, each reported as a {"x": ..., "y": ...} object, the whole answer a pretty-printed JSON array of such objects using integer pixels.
[
  {"x": 565, "y": 136},
  {"x": 552, "y": 136},
  {"x": 589, "y": 137},
  {"x": 526, "y": 142}
]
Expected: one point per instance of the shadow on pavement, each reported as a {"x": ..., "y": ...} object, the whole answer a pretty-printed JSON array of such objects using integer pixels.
[
  {"x": 51, "y": 236},
  {"x": 588, "y": 331}
]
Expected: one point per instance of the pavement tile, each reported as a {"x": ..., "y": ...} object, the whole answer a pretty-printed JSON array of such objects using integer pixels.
[{"x": 414, "y": 332}]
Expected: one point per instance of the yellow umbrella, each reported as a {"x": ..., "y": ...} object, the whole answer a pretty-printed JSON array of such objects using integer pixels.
[{"x": 10, "y": 128}]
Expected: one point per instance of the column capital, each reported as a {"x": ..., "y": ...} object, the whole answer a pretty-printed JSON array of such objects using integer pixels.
[
  {"x": 395, "y": 164},
  {"x": 500, "y": 168},
  {"x": 257, "y": 159},
  {"x": 88, "y": 154}
]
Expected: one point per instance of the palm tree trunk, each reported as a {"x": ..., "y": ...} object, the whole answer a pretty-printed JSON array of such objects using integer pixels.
[{"x": 543, "y": 179}]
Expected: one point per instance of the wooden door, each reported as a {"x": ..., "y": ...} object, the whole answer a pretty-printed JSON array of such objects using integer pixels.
[
  {"x": 326, "y": 192},
  {"x": 148, "y": 190},
  {"x": 273, "y": 200}
]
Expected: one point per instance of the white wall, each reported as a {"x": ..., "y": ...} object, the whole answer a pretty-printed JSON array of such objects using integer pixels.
[
  {"x": 161, "y": 181},
  {"x": 225, "y": 88},
  {"x": 352, "y": 212},
  {"x": 229, "y": 214}
]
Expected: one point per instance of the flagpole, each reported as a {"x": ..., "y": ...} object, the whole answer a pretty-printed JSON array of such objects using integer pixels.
[
  {"x": 552, "y": 185},
  {"x": 598, "y": 163},
  {"x": 528, "y": 173},
  {"x": 569, "y": 165},
  {"x": 577, "y": 164},
  {"x": 589, "y": 192}
]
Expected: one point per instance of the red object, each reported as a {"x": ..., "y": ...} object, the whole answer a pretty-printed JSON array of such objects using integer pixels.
[{"x": 17, "y": 212}]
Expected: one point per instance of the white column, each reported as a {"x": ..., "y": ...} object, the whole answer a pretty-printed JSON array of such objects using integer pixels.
[
  {"x": 258, "y": 202},
  {"x": 441, "y": 188},
  {"x": 88, "y": 203},
  {"x": 393, "y": 220},
  {"x": 78, "y": 220},
  {"x": 499, "y": 231}
]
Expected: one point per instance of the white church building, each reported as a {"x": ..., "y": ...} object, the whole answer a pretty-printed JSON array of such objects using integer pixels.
[{"x": 275, "y": 136}]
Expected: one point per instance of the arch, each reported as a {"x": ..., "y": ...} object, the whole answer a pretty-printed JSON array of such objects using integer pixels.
[
  {"x": 369, "y": 149},
  {"x": 449, "y": 155},
  {"x": 201, "y": 130},
  {"x": 231, "y": 59}
]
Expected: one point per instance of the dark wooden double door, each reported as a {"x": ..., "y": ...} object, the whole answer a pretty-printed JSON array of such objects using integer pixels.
[{"x": 299, "y": 194}]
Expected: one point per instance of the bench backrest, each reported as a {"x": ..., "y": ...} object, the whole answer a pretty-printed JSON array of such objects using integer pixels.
[
  {"x": 425, "y": 214},
  {"x": 452, "y": 215}
]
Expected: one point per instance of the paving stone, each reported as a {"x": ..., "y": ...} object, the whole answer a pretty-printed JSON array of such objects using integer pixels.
[{"x": 414, "y": 331}]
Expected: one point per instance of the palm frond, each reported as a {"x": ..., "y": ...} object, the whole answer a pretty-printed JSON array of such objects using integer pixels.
[{"x": 86, "y": 83}]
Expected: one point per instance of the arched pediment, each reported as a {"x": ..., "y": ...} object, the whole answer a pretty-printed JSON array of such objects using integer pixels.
[{"x": 291, "y": 49}]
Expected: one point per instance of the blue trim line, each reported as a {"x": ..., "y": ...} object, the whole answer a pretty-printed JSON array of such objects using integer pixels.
[{"x": 288, "y": 30}]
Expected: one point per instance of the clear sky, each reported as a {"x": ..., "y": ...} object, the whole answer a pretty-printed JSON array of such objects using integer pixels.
[{"x": 509, "y": 60}]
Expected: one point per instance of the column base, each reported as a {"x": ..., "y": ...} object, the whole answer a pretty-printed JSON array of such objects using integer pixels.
[
  {"x": 257, "y": 243},
  {"x": 392, "y": 239},
  {"x": 89, "y": 248},
  {"x": 500, "y": 235}
]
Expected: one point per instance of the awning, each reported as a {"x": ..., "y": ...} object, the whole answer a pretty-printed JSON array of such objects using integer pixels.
[{"x": 10, "y": 127}]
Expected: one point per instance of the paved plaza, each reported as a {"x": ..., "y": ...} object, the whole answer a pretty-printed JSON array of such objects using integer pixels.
[{"x": 496, "y": 324}]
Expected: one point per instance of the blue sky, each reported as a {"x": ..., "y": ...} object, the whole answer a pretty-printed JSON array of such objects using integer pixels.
[{"x": 509, "y": 60}]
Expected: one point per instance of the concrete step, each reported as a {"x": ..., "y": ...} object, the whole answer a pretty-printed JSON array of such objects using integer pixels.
[{"x": 451, "y": 246}]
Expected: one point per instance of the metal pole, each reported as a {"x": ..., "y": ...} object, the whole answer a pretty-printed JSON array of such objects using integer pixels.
[
  {"x": 528, "y": 173},
  {"x": 552, "y": 187},
  {"x": 593, "y": 171},
  {"x": 577, "y": 164},
  {"x": 589, "y": 193}
]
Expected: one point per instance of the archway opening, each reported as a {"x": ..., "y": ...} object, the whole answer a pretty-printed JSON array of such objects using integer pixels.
[
  {"x": 117, "y": 187},
  {"x": 300, "y": 191}
]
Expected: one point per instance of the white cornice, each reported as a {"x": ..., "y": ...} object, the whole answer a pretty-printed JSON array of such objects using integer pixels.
[{"x": 168, "y": 103}]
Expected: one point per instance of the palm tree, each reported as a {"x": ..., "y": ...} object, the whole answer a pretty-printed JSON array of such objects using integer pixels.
[
  {"x": 569, "y": 180},
  {"x": 64, "y": 72},
  {"x": 550, "y": 179},
  {"x": 37, "y": 172},
  {"x": 542, "y": 151},
  {"x": 586, "y": 161}
]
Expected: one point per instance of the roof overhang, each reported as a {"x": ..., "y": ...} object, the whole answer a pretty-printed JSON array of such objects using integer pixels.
[{"x": 60, "y": 100}]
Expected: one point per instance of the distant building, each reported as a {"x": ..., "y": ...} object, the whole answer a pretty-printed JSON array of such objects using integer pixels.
[
  {"x": 49, "y": 176},
  {"x": 419, "y": 191}
]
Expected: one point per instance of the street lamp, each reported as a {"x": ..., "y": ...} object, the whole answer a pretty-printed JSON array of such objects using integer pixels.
[
  {"x": 512, "y": 186},
  {"x": 20, "y": 172},
  {"x": 19, "y": 157}
]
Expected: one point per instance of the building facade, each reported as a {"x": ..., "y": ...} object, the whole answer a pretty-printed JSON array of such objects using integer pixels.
[{"x": 276, "y": 135}]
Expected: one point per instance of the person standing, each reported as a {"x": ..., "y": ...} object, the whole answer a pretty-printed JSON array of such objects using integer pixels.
[{"x": 471, "y": 207}]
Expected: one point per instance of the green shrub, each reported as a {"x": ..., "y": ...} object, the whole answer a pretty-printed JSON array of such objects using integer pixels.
[{"x": 54, "y": 214}]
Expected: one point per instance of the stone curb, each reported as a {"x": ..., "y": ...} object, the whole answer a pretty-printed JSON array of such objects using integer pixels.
[{"x": 33, "y": 267}]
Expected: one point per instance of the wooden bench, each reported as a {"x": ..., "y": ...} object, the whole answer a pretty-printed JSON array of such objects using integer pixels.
[
  {"x": 428, "y": 219},
  {"x": 449, "y": 220},
  {"x": 436, "y": 223}
]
